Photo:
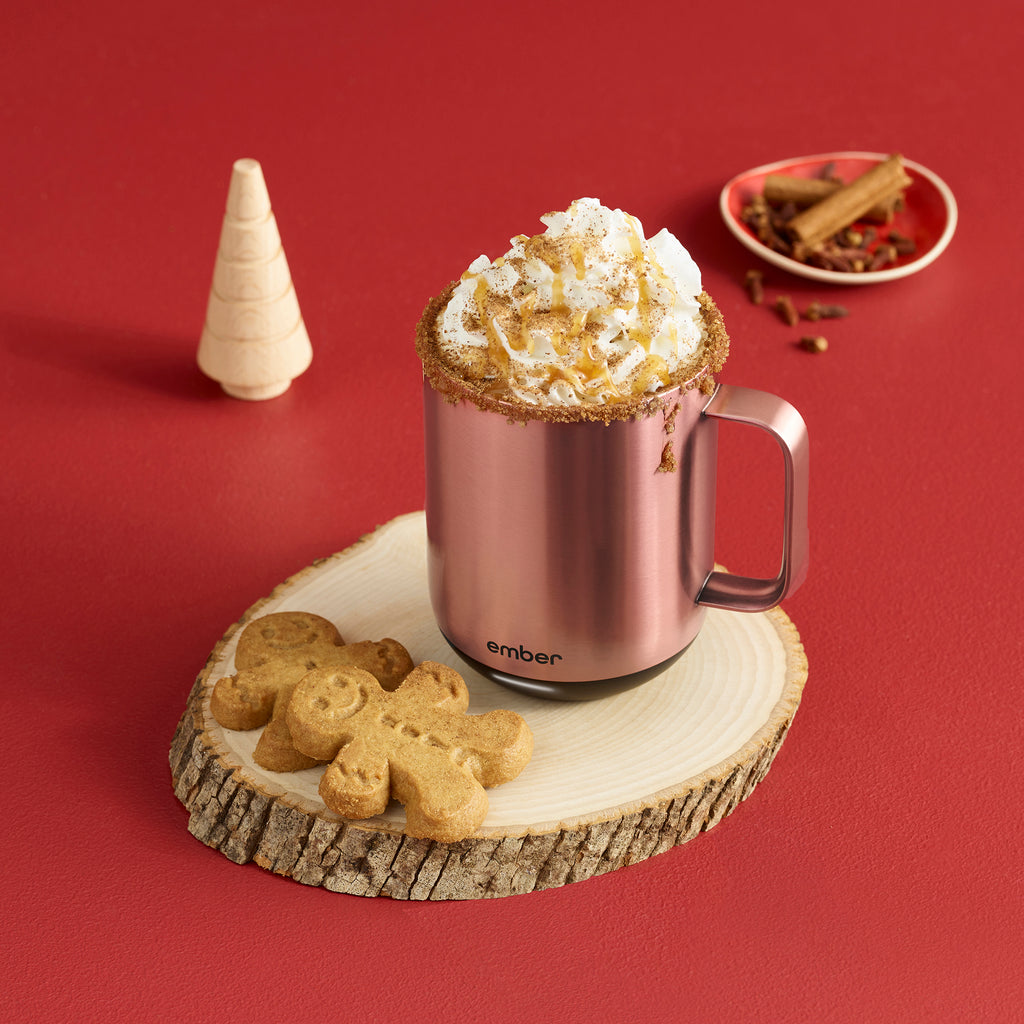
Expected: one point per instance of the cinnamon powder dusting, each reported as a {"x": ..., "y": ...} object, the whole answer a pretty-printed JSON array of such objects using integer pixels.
[{"x": 483, "y": 379}]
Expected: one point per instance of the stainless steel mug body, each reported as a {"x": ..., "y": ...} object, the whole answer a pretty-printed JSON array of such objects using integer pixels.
[{"x": 572, "y": 559}]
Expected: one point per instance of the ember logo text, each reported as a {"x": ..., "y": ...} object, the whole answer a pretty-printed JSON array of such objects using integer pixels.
[{"x": 520, "y": 653}]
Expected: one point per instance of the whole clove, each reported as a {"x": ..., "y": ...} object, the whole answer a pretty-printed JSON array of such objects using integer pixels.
[
  {"x": 884, "y": 255},
  {"x": 901, "y": 243},
  {"x": 824, "y": 311},
  {"x": 814, "y": 343},
  {"x": 786, "y": 310},
  {"x": 754, "y": 284}
]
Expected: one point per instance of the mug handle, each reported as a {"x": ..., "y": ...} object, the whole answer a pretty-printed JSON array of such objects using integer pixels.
[{"x": 785, "y": 424}]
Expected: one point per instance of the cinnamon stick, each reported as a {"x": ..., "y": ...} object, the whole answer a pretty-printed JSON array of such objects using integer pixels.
[
  {"x": 780, "y": 189},
  {"x": 812, "y": 226}
]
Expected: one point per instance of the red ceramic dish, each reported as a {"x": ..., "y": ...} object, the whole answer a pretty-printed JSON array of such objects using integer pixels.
[{"x": 929, "y": 217}]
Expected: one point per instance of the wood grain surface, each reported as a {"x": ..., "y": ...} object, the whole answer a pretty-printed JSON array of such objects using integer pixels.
[{"x": 611, "y": 782}]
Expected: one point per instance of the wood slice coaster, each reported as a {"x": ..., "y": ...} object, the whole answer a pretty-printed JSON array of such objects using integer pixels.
[{"x": 612, "y": 782}]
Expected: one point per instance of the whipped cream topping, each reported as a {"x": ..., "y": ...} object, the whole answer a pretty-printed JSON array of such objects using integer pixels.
[{"x": 589, "y": 311}]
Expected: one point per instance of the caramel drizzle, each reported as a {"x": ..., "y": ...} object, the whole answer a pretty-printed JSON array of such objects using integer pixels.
[
  {"x": 579, "y": 321},
  {"x": 576, "y": 252},
  {"x": 526, "y": 308},
  {"x": 582, "y": 384},
  {"x": 653, "y": 368},
  {"x": 499, "y": 357},
  {"x": 595, "y": 370},
  {"x": 644, "y": 334},
  {"x": 589, "y": 372}
]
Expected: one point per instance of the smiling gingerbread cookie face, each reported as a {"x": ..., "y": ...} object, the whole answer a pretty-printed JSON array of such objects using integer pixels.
[
  {"x": 274, "y": 652},
  {"x": 281, "y": 634},
  {"x": 415, "y": 744}
]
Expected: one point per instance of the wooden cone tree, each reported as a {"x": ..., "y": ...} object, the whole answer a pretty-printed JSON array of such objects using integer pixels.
[{"x": 254, "y": 341}]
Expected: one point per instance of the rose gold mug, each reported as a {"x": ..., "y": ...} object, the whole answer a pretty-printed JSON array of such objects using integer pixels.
[{"x": 573, "y": 560}]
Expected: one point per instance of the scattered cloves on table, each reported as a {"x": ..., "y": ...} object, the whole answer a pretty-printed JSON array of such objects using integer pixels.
[
  {"x": 786, "y": 310},
  {"x": 754, "y": 284},
  {"x": 783, "y": 307},
  {"x": 824, "y": 311},
  {"x": 814, "y": 343}
]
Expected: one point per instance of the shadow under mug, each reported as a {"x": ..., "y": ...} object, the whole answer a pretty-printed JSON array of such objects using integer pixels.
[{"x": 574, "y": 560}]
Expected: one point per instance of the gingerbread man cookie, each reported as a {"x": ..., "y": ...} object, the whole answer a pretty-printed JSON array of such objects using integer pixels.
[
  {"x": 415, "y": 744},
  {"x": 274, "y": 652}
]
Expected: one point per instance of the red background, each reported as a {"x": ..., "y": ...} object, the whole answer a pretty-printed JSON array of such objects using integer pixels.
[{"x": 875, "y": 875}]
